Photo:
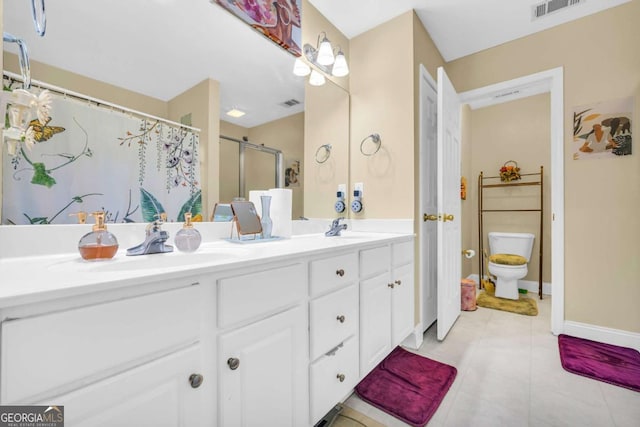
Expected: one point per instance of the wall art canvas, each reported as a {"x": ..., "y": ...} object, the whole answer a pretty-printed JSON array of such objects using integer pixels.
[
  {"x": 603, "y": 130},
  {"x": 89, "y": 158},
  {"x": 292, "y": 174},
  {"x": 279, "y": 20}
]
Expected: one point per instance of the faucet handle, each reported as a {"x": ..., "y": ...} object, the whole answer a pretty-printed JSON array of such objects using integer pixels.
[{"x": 336, "y": 221}]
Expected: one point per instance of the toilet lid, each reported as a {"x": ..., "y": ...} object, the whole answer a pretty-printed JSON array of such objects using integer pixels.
[{"x": 507, "y": 259}]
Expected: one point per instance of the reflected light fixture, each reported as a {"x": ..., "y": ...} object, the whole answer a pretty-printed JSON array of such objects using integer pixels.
[
  {"x": 323, "y": 59},
  {"x": 316, "y": 78},
  {"x": 234, "y": 112}
]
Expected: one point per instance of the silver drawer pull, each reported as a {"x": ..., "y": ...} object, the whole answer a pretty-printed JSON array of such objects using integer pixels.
[
  {"x": 340, "y": 318},
  {"x": 340, "y": 377},
  {"x": 233, "y": 363},
  {"x": 196, "y": 380},
  {"x": 391, "y": 285},
  {"x": 340, "y": 272},
  {"x": 398, "y": 282}
]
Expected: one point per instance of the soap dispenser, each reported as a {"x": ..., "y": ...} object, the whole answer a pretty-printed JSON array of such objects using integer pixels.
[
  {"x": 99, "y": 244},
  {"x": 187, "y": 239}
]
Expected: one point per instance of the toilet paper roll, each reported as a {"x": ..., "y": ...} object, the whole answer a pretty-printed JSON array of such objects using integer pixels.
[{"x": 281, "y": 202}]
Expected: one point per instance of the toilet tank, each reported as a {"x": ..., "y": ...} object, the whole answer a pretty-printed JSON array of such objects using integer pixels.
[{"x": 511, "y": 243}]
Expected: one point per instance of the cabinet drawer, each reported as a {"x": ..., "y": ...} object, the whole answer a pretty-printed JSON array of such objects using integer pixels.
[
  {"x": 43, "y": 353},
  {"x": 333, "y": 318},
  {"x": 374, "y": 261},
  {"x": 330, "y": 273},
  {"x": 402, "y": 253},
  {"x": 326, "y": 387},
  {"x": 248, "y": 296}
]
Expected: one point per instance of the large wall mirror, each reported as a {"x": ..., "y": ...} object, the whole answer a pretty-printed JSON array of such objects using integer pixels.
[{"x": 149, "y": 56}]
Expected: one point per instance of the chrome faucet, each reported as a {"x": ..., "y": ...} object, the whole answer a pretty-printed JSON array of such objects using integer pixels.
[
  {"x": 336, "y": 228},
  {"x": 154, "y": 242}
]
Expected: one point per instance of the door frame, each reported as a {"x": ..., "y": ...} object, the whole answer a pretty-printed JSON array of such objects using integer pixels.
[{"x": 549, "y": 81}]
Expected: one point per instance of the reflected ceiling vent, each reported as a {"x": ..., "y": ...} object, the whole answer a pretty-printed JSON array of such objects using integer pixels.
[
  {"x": 290, "y": 103},
  {"x": 510, "y": 93},
  {"x": 550, "y": 6}
]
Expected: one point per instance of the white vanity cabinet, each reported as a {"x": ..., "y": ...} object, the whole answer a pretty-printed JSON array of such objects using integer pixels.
[
  {"x": 263, "y": 348},
  {"x": 333, "y": 325},
  {"x": 386, "y": 301},
  {"x": 131, "y": 361}
]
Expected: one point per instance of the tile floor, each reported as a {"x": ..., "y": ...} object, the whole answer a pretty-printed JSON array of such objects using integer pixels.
[{"x": 509, "y": 374}]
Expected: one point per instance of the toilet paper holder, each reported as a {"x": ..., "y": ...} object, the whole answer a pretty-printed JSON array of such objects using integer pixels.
[{"x": 469, "y": 253}]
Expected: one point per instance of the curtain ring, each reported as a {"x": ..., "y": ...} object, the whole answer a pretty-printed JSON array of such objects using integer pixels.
[
  {"x": 323, "y": 153},
  {"x": 375, "y": 138}
]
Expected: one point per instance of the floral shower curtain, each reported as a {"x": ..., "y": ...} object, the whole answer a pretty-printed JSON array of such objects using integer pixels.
[{"x": 91, "y": 158}]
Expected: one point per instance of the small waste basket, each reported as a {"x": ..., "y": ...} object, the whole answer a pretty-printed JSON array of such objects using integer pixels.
[{"x": 467, "y": 295}]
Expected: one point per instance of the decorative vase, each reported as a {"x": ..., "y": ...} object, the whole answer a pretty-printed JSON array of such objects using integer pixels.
[{"x": 265, "y": 219}]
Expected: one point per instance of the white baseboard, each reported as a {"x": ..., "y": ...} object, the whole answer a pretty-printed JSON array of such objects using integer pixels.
[
  {"x": 529, "y": 285},
  {"x": 602, "y": 334}
]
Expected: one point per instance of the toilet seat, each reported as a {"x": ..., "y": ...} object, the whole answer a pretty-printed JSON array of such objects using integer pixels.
[{"x": 508, "y": 259}]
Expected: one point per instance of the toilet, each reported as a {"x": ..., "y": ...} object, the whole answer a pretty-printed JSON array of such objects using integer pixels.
[{"x": 510, "y": 253}]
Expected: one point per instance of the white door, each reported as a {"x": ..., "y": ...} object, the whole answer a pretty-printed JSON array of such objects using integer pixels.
[
  {"x": 428, "y": 199},
  {"x": 262, "y": 373},
  {"x": 448, "y": 189}
]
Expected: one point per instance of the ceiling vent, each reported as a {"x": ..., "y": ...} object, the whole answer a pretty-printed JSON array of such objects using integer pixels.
[
  {"x": 290, "y": 103},
  {"x": 550, "y": 6}
]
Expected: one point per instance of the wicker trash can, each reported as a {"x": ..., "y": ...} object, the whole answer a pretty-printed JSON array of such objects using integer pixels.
[{"x": 468, "y": 295}]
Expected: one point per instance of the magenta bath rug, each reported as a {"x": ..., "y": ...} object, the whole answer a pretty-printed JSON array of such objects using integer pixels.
[
  {"x": 604, "y": 362},
  {"x": 408, "y": 386}
]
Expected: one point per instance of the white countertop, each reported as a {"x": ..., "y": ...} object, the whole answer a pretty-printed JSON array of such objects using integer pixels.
[{"x": 30, "y": 279}]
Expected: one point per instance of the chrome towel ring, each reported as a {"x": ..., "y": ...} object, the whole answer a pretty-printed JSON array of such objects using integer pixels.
[
  {"x": 323, "y": 153},
  {"x": 377, "y": 143}
]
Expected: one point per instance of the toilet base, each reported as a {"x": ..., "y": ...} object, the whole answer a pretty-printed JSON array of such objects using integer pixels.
[{"x": 507, "y": 289}]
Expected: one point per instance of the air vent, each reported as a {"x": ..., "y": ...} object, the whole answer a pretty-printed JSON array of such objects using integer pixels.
[
  {"x": 550, "y": 6},
  {"x": 290, "y": 103},
  {"x": 511, "y": 93}
]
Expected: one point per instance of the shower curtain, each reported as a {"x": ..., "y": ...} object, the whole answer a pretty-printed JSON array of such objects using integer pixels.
[{"x": 89, "y": 158}]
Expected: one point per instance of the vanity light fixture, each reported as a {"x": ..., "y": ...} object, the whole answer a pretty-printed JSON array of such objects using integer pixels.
[
  {"x": 323, "y": 58},
  {"x": 234, "y": 112}
]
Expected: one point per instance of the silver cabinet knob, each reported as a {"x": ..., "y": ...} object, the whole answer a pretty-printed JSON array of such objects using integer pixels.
[
  {"x": 196, "y": 380},
  {"x": 340, "y": 318},
  {"x": 340, "y": 377},
  {"x": 233, "y": 363},
  {"x": 340, "y": 272},
  {"x": 391, "y": 285},
  {"x": 398, "y": 282}
]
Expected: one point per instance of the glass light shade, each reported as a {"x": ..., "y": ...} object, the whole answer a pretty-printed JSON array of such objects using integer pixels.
[
  {"x": 325, "y": 53},
  {"x": 340, "y": 67},
  {"x": 316, "y": 79},
  {"x": 300, "y": 68}
]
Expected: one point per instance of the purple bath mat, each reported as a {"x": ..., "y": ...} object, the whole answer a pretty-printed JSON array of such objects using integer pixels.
[
  {"x": 408, "y": 386},
  {"x": 604, "y": 362}
]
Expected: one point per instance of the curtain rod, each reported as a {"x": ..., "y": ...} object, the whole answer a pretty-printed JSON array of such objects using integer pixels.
[{"x": 98, "y": 102}]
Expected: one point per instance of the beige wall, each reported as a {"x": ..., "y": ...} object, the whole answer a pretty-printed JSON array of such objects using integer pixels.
[
  {"x": 202, "y": 102},
  {"x": 601, "y": 62},
  {"x": 517, "y": 130},
  {"x": 382, "y": 102}
]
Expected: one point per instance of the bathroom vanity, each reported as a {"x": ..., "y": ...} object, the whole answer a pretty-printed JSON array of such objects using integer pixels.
[{"x": 271, "y": 333}]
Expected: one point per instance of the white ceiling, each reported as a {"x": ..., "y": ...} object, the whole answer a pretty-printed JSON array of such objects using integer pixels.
[{"x": 160, "y": 48}]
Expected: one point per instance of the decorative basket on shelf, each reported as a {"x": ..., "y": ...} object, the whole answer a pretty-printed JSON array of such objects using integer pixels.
[{"x": 509, "y": 171}]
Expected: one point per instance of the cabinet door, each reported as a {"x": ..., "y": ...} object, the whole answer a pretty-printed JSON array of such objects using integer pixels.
[
  {"x": 263, "y": 379},
  {"x": 402, "y": 305},
  {"x": 156, "y": 394},
  {"x": 375, "y": 321}
]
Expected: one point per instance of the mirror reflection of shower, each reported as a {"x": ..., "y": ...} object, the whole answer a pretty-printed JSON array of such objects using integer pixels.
[{"x": 259, "y": 167}]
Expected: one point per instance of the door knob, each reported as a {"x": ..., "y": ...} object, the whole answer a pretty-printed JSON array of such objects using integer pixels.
[
  {"x": 340, "y": 272},
  {"x": 426, "y": 217},
  {"x": 448, "y": 217},
  {"x": 233, "y": 363},
  {"x": 196, "y": 380},
  {"x": 340, "y": 318},
  {"x": 340, "y": 377}
]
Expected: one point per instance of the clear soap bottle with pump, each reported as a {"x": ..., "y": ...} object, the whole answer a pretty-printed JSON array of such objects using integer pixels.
[
  {"x": 99, "y": 244},
  {"x": 187, "y": 239}
]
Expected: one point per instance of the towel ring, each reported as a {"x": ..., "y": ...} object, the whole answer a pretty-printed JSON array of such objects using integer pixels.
[
  {"x": 375, "y": 138},
  {"x": 323, "y": 153}
]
